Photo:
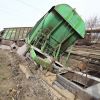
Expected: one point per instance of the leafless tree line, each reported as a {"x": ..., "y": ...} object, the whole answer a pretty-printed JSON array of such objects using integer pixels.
[{"x": 94, "y": 22}]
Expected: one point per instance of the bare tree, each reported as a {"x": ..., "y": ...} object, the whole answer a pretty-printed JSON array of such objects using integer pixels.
[{"x": 94, "y": 22}]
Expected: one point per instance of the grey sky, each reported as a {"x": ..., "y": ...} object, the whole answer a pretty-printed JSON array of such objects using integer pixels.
[{"x": 27, "y": 12}]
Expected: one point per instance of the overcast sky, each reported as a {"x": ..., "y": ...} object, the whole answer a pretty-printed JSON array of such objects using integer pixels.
[{"x": 20, "y": 13}]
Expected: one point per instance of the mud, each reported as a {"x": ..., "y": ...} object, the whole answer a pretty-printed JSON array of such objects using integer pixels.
[{"x": 15, "y": 86}]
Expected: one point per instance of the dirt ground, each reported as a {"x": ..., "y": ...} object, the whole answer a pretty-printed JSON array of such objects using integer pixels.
[{"x": 15, "y": 86}]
